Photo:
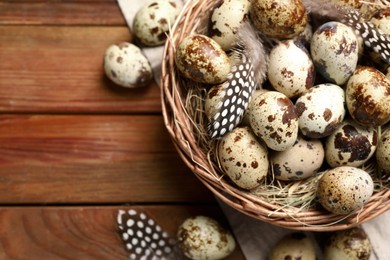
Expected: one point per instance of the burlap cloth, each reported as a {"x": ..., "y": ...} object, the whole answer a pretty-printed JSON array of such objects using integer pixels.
[{"x": 256, "y": 237}]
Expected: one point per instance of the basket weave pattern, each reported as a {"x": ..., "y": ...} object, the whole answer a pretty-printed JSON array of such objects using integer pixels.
[{"x": 182, "y": 130}]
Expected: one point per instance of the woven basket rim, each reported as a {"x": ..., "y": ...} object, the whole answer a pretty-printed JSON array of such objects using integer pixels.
[{"x": 179, "y": 127}]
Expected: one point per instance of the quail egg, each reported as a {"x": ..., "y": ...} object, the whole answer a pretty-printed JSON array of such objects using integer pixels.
[
  {"x": 273, "y": 118},
  {"x": 202, "y": 237},
  {"x": 152, "y": 22},
  {"x": 290, "y": 69},
  {"x": 344, "y": 189},
  {"x": 334, "y": 50},
  {"x": 349, "y": 244},
  {"x": 202, "y": 59},
  {"x": 125, "y": 65},
  {"x": 302, "y": 160},
  {"x": 226, "y": 20},
  {"x": 320, "y": 110},
  {"x": 350, "y": 144},
  {"x": 368, "y": 97},
  {"x": 383, "y": 153},
  {"x": 296, "y": 245},
  {"x": 279, "y": 18},
  {"x": 243, "y": 158}
]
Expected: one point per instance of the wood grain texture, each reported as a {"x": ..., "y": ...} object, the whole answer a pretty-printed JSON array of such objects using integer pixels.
[
  {"x": 54, "y": 69},
  {"x": 54, "y": 12},
  {"x": 92, "y": 159},
  {"x": 88, "y": 233}
]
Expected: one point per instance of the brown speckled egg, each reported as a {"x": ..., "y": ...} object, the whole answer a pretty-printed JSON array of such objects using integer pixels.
[
  {"x": 290, "y": 69},
  {"x": 368, "y": 97},
  {"x": 302, "y": 160},
  {"x": 296, "y": 245},
  {"x": 243, "y": 158},
  {"x": 334, "y": 50},
  {"x": 152, "y": 21},
  {"x": 273, "y": 118},
  {"x": 125, "y": 65},
  {"x": 213, "y": 97},
  {"x": 349, "y": 244},
  {"x": 320, "y": 110},
  {"x": 383, "y": 153},
  {"x": 201, "y": 59},
  {"x": 202, "y": 237},
  {"x": 226, "y": 20},
  {"x": 350, "y": 144},
  {"x": 279, "y": 18},
  {"x": 344, "y": 189}
]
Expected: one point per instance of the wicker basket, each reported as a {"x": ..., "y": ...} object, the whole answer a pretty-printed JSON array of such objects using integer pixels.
[{"x": 181, "y": 127}]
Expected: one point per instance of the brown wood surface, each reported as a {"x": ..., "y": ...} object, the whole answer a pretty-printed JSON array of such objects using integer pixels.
[
  {"x": 85, "y": 233},
  {"x": 74, "y": 147}
]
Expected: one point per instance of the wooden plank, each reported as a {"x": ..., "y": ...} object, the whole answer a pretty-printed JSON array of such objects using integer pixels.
[
  {"x": 92, "y": 159},
  {"x": 82, "y": 232},
  {"x": 54, "y": 12},
  {"x": 60, "y": 69}
]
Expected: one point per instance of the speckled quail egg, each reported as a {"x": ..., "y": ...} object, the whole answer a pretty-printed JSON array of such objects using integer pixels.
[
  {"x": 202, "y": 237},
  {"x": 226, "y": 19},
  {"x": 296, "y": 245},
  {"x": 290, "y": 69},
  {"x": 125, "y": 65},
  {"x": 273, "y": 118},
  {"x": 368, "y": 97},
  {"x": 383, "y": 153},
  {"x": 279, "y": 18},
  {"x": 243, "y": 158},
  {"x": 344, "y": 189},
  {"x": 153, "y": 21},
  {"x": 213, "y": 98},
  {"x": 350, "y": 144},
  {"x": 334, "y": 50},
  {"x": 257, "y": 92},
  {"x": 302, "y": 160},
  {"x": 349, "y": 244},
  {"x": 320, "y": 110},
  {"x": 202, "y": 59},
  {"x": 304, "y": 37}
]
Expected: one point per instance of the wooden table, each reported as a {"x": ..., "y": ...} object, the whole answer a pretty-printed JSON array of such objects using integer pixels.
[{"x": 75, "y": 148}]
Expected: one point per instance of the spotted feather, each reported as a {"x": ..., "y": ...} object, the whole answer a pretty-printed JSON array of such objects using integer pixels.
[
  {"x": 372, "y": 36},
  {"x": 144, "y": 238},
  {"x": 238, "y": 90}
]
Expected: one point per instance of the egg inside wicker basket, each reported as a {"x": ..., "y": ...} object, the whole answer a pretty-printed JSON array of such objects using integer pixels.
[{"x": 291, "y": 205}]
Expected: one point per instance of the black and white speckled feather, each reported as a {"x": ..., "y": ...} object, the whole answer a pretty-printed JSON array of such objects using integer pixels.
[
  {"x": 245, "y": 75},
  {"x": 144, "y": 238},
  {"x": 372, "y": 36}
]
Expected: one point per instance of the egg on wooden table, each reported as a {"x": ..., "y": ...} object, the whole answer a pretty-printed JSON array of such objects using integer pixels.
[
  {"x": 301, "y": 161},
  {"x": 242, "y": 158},
  {"x": 226, "y": 20},
  {"x": 350, "y": 144},
  {"x": 349, "y": 244},
  {"x": 279, "y": 18},
  {"x": 152, "y": 22},
  {"x": 202, "y": 237},
  {"x": 290, "y": 69},
  {"x": 320, "y": 110},
  {"x": 296, "y": 245},
  {"x": 368, "y": 97},
  {"x": 383, "y": 153},
  {"x": 334, "y": 50},
  {"x": 202, "y": 59},
  {"x": 125, "y": 65},
  {"x": 344, "y": 189},
  {"x": 273, "y": 118}
]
